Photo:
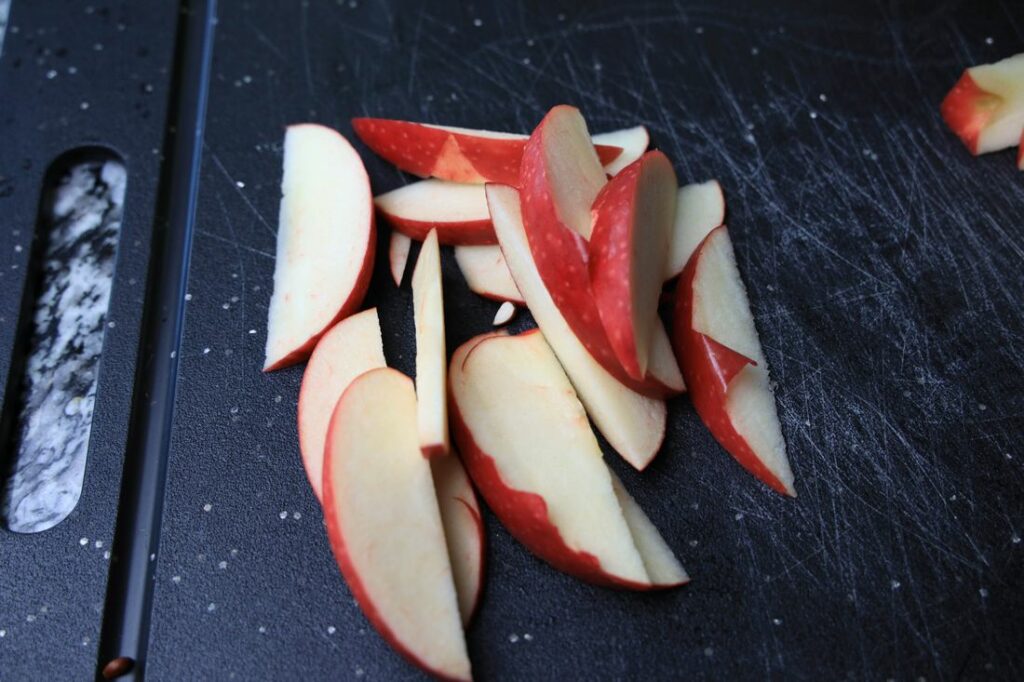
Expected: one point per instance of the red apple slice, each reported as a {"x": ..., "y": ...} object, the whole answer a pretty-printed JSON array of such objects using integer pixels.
[
  {"x": 463, "y": 531},
  {"x": 384, "y": 525},
  {"x": 449, "y": 153},
  {"x": 724, "y": 366},
  {"x": 348, "y": 349},
  {"x": 632, "y": 423},
  {"x": 632, "y": 141},
  {"x": 986, "y": 106},
  {"x": 528, "y": 445},
  {"x": 398, "y": 255},
  {"x": 486, "y": 272},
  {"x": 325, "y": 242},
  {"x": 505, "y": 313},
  {"x": 633, "y": 220},
  {"x": 458, "y": 212},
  {"x": 431, "y": 357},
  {"x": 700, "y": 208}
]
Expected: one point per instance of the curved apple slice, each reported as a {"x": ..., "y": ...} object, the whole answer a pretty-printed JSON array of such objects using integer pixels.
[
  {"x": 632, "y": 141},
  {"x": 398, "y": 255},
  {"x": 663, "y": 568},
  {"x": 528, "y": 445},
  {"x": 384, "y": 525},
  {"x": 458, "y": 212},
  {"x": 486, "y": 273},
  {"x": 431, "y": 356},
  {"x": 724, "y": 366},
  {"x": 633, "y": 219},
  {"x": 348, "y": 349},
  {"x": 632, "y": 423},
  {"x": 325, "y": 242},
  {"x": 986, "y": 106},
  {"x": 700, "y": 208},
  {"x": 450, "y": 153},
  {"x": 463, "y": 531}
]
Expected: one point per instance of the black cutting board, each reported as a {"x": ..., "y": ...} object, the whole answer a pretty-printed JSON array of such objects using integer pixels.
[{"x": 886, "y": 272}]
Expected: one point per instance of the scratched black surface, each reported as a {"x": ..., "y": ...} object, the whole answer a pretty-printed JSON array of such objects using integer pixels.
[{"x": 884, "y": 265}]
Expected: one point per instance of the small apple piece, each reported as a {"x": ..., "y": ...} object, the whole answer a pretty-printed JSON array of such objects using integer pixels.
[
  {"x": 398, "y": 255},
  {"x": 431, "y": 356},
  {"x": 632, "y": 141},
  {"x": 506, "y": 312},
  {"x": 450, "y": 153},
  {"x": 486, "y": 273},
  {"x": 700, "y": 208},
  {"x": 1020, "y": 153},
  {"x": 384, "y": 525},
  {"x": 724, "y": 366},
  {"x": 527, "y": 443},
  {"x": 632, "y": 423},
  {"x": 348, "y": 349},
  {"x": 986, "y": 106},
  {"x": 661, "y": 563},
  {"x": 633, "y": 220},
  {"x": 325, "y": 242},
  {"x": 458, "y": 212},
  {"x": 463, "y": 531}
]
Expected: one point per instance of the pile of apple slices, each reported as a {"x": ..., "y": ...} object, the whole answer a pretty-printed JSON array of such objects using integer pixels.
[
  {"x": 985, "y": 108},
  {"x": 584, "y": 231}
]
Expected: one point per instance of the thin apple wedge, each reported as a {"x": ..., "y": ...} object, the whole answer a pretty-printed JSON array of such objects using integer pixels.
[
  {"x": 527, "y": 443},
  {"x": 506, "y": 311},
  {"x": 663, "y": 568},
  {"x": 463, "y": 531},
  {"x": 449, "y": 153},
  {"x": 431, "y": 356},
  {"x": 634, "y": 424},
  {"x": 486, "y": 273},
  {"x": 986, "y": 106},
  {"x": 632, "y": 141},
  {"x": 385, "y": 527},
  {"x": 700, "y": 208},
  {"x": 633, "y": 216},
  {"x": 457, "y": 211},
  {"x": 325, "y": 242},
  {"x": 398, "y": 255},
  {"x": 348, "y": 349},
  {"x": 724, "y": 366}
]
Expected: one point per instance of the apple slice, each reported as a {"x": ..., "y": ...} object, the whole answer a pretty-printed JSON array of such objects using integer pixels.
[
  {"x": 663, "y": 568},
  {"x": 348, "y": 349},
  {"x": 505, "y": 313},
  {"x": 1020, "y": 153},
  {"x": 325, "y": 242},
  {"x": 463, "y": 531},
  {"x": 528, "y": 445},
  {"x": 431, "y": 357},
  {"x": 449, "y": 153},
  {"x": 724, "y": 366},
  {"x": 700, "y": 208},
  {"x": 384, "y": 525},
  {"x": 632, "y": 141},
  {"x": 458, "y": 212},
  {"x": 632, "y": 423},
  {"x": 398, "y": 255},
  {"x": 486, "y": 272},
  {"x": 986, "y": 106},
  {"x": 633, "y": 220}
]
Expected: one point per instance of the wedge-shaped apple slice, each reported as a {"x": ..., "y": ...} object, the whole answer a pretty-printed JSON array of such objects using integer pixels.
[
  {"x": 325, "y": 242},
  {"x": 632, "y": 141},
  {"x": 528, "y": 445},
  {"x": 724, "y": 366},
  {"x": 663, "y": 568},
  {"x": 486, "y": 273},
  {"x": 348, "y": 349},
  {"x": 506, "y": 311},
  {"x": 457, "y": 211},
  {"x": 633, "y": 423},
  {"x": 700, "y": 208},
  {"x": 986, "y": 106},
  {"x": 385, "y": 527},
  {"x": 463, "y": 531},
  {"x": 398, "y": 255},
  {"x": 633, "y": 219},
  {"x": 448, "y": 153},
  {"x": 431, "y": 356}
]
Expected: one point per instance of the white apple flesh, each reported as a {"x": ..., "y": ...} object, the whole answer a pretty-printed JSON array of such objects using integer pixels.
[
  {"x": 398, "y": 255},
  {"x": 463, "y": 531},
  {"x": 431, "y": 356},
  {"x": 700, "y": 208}
]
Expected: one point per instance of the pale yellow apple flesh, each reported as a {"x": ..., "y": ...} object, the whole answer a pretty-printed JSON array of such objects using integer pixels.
[
  {"x": 431, "y": 356},
  {"x": 486, "y": 273},
  {"x": 463, "y": 530},
  {"x": 435, "y": 201},
  {"x": 663, "y": 568},
  {"x": 632, "y": 141},
  {"x": 398, "y": 255},
  {"x": 700, "y": 208}
]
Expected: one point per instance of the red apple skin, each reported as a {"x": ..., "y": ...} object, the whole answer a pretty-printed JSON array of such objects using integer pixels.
[
  {"x": 463, "y": 233},
  {"x": 1020, "y": 153},
  {"x": 966, "y": 110},
  {"x": 350, "y": 306},
  {"x": 427, "y": 151},
  {"x": 350, "y": 573},
  {"x": 708, "y": 368}
]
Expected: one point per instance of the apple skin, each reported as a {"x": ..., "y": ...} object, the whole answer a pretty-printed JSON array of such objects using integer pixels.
[
  {"x": 456, "y": 233},
  {"x": 1020, "y": 153},
  {"x": 966, "y": 109},
  {"x": 709, "y": 367},
  {"x": 457, "y": 155}
]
